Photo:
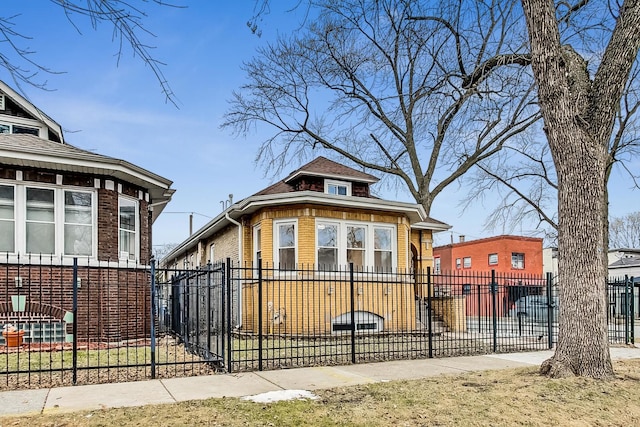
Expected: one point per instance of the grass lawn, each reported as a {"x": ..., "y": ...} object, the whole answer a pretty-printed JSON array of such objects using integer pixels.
[{"x": 502, "y": 398}]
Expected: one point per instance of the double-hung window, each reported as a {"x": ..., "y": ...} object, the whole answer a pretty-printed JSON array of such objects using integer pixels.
[
  {"x": 364, "y": 245},
  {"x": 436, "y": 265},
  {"x": 7, "y": 218},
  {"x": 285, "y": 245},
  {"x": 383, "y": 248},
  {"x": 327, "y": 244},
  {"x": 78, "y": 223},
  {"x": 517, "y": 260},
  {"x": 356, "y": 249},
  {"x": 40, "y": 221},
  {"x": 257, "y": 244},
  {"x": 128, "y": 229}
]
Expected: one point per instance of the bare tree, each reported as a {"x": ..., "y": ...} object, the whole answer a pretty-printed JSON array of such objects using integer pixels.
[
  {"x": 624, "y": 231},
  {"x": 579, "y": 111},
  {"x": 524, "y": 176},
  {"x": 396, "y": 87},
  {"x": 125, "y": 17}
]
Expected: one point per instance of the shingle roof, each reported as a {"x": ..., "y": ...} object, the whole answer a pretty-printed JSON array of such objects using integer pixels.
[
  {"x": 323, "y": 167},
  {"x": 22, "y": 150}
]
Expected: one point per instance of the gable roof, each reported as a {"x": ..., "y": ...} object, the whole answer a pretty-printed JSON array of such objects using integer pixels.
[
  {"x": 23, "y": 150},
  {"x": 53, "y": 126}
]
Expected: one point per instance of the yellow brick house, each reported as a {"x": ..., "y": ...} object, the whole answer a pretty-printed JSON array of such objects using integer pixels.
[{"x": 305, "y": 231}]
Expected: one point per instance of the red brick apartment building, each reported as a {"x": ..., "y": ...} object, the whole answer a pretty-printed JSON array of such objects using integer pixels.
[
  {"x": 465, "y": 267},
  {"x": 504, "y": 254}
]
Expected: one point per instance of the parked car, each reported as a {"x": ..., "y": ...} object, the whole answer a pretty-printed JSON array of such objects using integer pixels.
[{"x": 534, "y": 308}]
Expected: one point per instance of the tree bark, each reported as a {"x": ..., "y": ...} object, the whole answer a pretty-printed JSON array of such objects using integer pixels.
[{"x": 578, "y": 115}]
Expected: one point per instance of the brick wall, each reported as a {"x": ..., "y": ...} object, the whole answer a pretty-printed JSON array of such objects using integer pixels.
[
  {"x": 503, "y": 246},
  {"x": 107, "y": 221},
  {"x": 113, "y": 304}
]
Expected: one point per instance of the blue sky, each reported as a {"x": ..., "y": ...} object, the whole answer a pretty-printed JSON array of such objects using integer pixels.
[{"x": 118, "y": 109}]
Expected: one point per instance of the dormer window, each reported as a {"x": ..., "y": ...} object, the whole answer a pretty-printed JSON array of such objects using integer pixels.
[{"x": 340, "y": 188}]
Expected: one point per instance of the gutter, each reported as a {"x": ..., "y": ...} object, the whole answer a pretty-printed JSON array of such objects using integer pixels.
[
  {"x": 239, "y": 290},
  {"x": 233, "y": 221}
]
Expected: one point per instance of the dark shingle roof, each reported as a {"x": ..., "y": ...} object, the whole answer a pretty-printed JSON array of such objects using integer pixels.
[{"x": 322, "y": 167}]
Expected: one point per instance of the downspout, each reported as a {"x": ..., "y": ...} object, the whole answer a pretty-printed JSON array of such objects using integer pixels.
[{"x": 240, "y": 258}]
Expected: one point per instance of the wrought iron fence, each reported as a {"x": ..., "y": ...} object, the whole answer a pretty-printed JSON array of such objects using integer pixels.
[
  {"x": 86, "y": 322},
  {"x": 82, "y": 322}
]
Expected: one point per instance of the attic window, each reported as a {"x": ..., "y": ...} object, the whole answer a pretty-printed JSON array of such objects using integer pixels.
[{"x": 340, "y": 188}]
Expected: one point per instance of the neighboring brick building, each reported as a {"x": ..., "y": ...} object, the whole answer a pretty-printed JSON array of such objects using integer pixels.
[
  {"x": 471, "y": 262},
  {"x": 57, "y": 203},
  {"x": 320, "y": 217},
  {"x": 504, "y": 254}
]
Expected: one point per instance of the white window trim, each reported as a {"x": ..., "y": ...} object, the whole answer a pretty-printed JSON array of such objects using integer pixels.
[
  {"x": 276, "y": 240},
  {"x": 437, "y": 265},
  {"x": 496, "y": 259},
  {"x": 257, "y": 229},
  {"x": 329, "y": 182},
  {"x": 212, "y": 253},
  {"x": 136, "y": 204},
  {"x": 464, "y": 262},
  {"x": 515, "y": 266},
  {"x": 21, "y": 121},
  {"x": 20, "y": 217},
  {"x": 369, "y": 256}
]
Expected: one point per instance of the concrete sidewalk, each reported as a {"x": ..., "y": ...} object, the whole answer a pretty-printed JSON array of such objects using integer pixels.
[{"x": 101, "y": 396}]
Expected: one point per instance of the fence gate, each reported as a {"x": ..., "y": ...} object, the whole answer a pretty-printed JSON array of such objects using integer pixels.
[{"x": 190, "y": 307}]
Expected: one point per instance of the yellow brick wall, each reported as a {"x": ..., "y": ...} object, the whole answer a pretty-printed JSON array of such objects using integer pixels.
[
  {"x": 306, "y": 216},
  {"x": 452, "y": 310},
  {"x": 309, "y": 306}
]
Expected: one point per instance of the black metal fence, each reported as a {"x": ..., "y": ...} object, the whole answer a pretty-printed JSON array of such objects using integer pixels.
[
  {"x": 105, "y": 322},
  {"x": 80, "y": 322}
]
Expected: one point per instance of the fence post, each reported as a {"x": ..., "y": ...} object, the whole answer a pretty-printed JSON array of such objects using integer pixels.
[
  {"x": 627, "y": 310},
  {"x": 227, "y": 321},
  {"x": 633, "y": 312},
  {"x": 74, "y": 352},
  {"x": 353, "y": 315},
  {"x": 153, "y": 319},
  {"x": 209, "y": 318},
  {"x": 260, "y": 314},
  {"x": 494, "y": 303},
  {"x": 429, "y": 320},
  {"x": 550, "y": 308}
]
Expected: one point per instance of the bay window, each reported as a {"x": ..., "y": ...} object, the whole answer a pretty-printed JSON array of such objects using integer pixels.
[
  {"x": 47, "y": 220},
  {"x": 364, "y": 245}
]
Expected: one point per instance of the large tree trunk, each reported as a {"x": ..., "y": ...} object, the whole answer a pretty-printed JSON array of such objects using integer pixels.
[
  {"x": 578, "y": 115},
  {"x": 583, "y": 347}
]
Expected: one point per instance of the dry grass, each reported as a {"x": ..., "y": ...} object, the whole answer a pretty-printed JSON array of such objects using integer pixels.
[{"x": 508, "y": 397}]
